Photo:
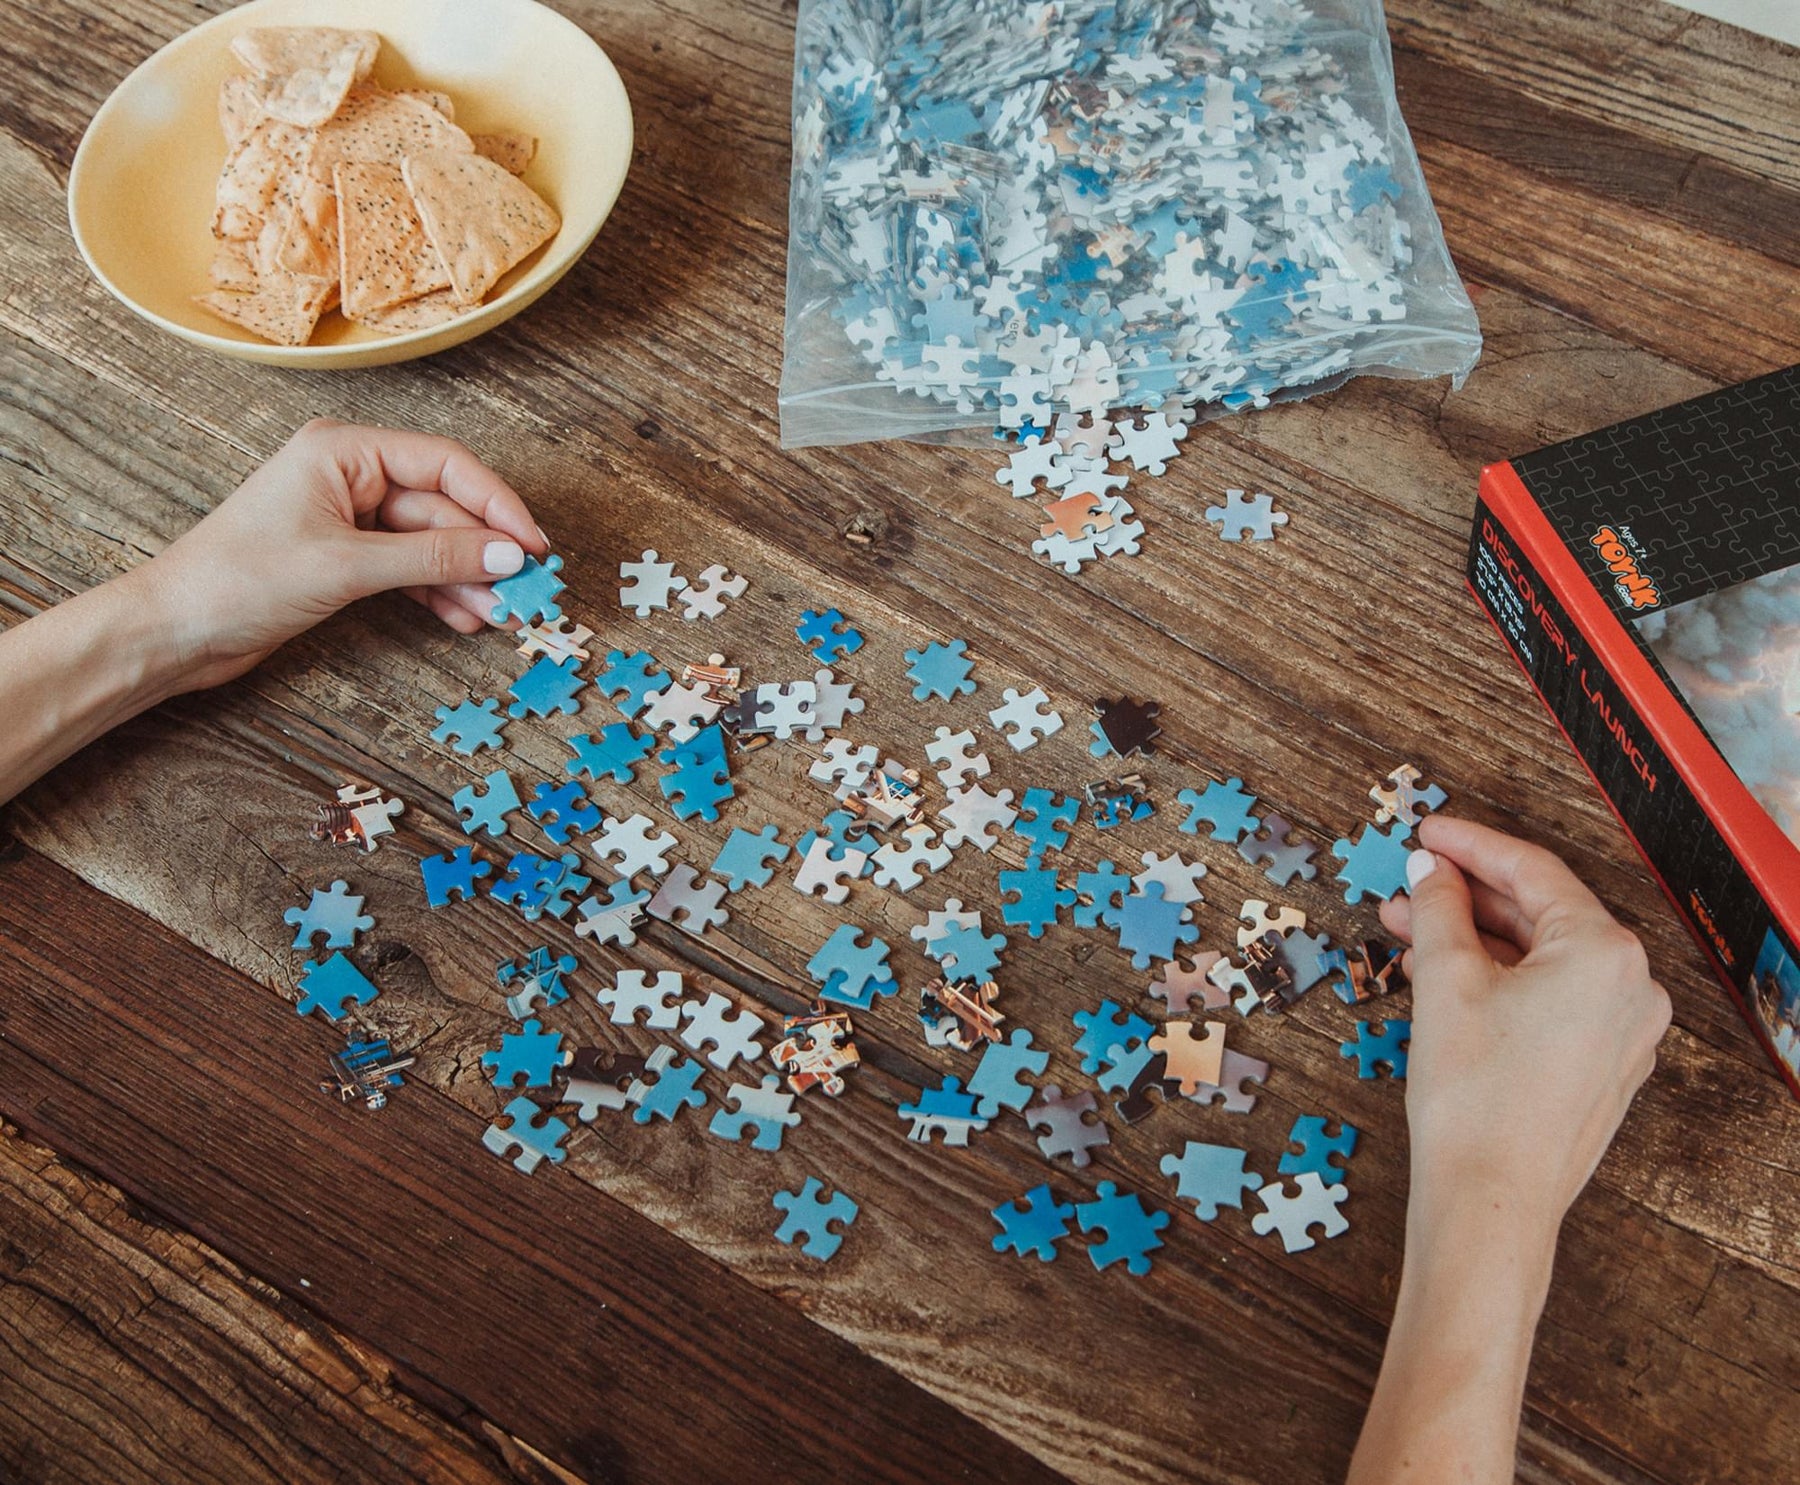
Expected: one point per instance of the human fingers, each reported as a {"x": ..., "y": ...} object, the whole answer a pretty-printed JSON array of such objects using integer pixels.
[
  {"x": 1441, "y": 916},
  {"x": 444, "y": 603},
  {"x": 1496, "y": 915},
  {"x": 1502, "y": 952},
  {"x": 375, "y": 460},
  {"x": 1537, "y": 881},
  {"x": 374, "y": 561}
]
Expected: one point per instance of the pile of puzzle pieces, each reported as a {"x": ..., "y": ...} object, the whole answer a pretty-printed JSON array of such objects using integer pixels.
[{"x": 891, "y": 824}]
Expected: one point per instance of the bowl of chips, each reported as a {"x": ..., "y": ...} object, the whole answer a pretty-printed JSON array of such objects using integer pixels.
[{"x": 338, "y": 183}]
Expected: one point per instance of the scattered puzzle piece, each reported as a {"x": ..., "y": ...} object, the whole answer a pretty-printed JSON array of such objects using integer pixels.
[
  {"x": 973, "y": 816},
  {"x": 828, "y": 635},
  {"x": 957, "y": 758},
  {"x": 648, "y": 584},
  {"x": 454, "y": 876},
  {"x": 1317, "y": 1148},
  {"x": 705, "y": 599},
  {"x": 562, "y": 810},
  {"x": 682, "y": 901},
  {"x": 1224, "y": 806},
  {"x": 1043, "y": 822},
  {"x": 1149, "y": 926},
  {"x": 1124, "y": 726},
  {"x": 1027, "y": 718},
  {"x": 1210, "y": 1176},
  {"x": 1105, "y": 1029},
  {"x": 1031, "y": 899},
  {"x": 614, "y": 919},
  {"x": 487, "y": 810},
  {"x": 1288, "y": 858},
  {"x": 764, "y": 1108},
  {"x": 1130, "y": 1227},
  {"x": 631, "y": 680},
  {"x": 549, "y": 687},
  {"x": 333, "y": 986},
  {"x": 1189, "y": 1060},
  {"x": 469, "y": 726},
  {"x": 1372, "y": 1050},
  {"x": 1254, "y": 517},
  {"x": 717, "y": 1023},
  {"x": 940, "y": 670},
  {"x": 530, "y": 1053},
  {"x": 669, "y": 1087},
  {"x": 530, "y": 593},
  {"x": 1375, "y": 865},
  {"x": 658, "y": 996},
  {"x": 749, "y": 858},
  {"x": 1033, "y": 1224},
  {"x": 335, "y": 913},
  {"x": 1402, "y": 799},
  {"x": 945, "y": 1110},
  {"x": 535, "y": 1134},
  {"x": 1315, "y": 1205},
  {"x": 615, "y": 754},
  {"x": 999, "y": 1080},
  {"x": 810, "y": 1217},
  {"x": 850, "y": 972},
  {"x": 1065, "y": 1125}
]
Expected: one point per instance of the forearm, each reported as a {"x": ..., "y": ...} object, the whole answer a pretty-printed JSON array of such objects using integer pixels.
[
  {"x": 73, "y": 671},
  {"x": 1446, "y": 1406}
]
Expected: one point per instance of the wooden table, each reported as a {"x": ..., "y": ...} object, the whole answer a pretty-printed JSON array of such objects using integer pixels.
[{"x": 211, "y": 1271}]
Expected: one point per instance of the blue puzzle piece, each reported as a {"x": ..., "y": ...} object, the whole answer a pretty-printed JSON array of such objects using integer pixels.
[
  {"x": 850, "y": 973},
  {"x": 631, "y": 680},
  {"x": 332, "y": 986},
  {"x": 1375, "y": 866},
  {"x": 487, "y": 811},
  {"x": 550, "y": 686},
  {"x": 470, "y": 726},
  {"x": 749, "y": 858},
  {"x": 613, "y": 919},
  {"x": 1371, "y": 1050},
  {"x": 998, "y": 1081},
  {"x": 614, "y": 755},
  {"x": 530, "y": 1053},
  {"x": 940, "y": 670},
  {"x": 1226, "y": 807},
  {"x": 529, "y": 595},
  {"x": 1131, "y": 1228},
  {"x": 1122, "y": 1066},
  {"x": 1149, "y": 926},
  {"x": 1098, "y": 892},
  {"x": 1368, "y": 183},
  {"x": 452, "y": 876},
  {"x": 828, "y": 635},
  {"x": 563, "y": 810},
  {"x": 767, "y": 1109},
  {"x": 1043, "y": 822},
  {"x": 673, "y": 1089},
  {"x": 336, "y": 913},
  {"x": 1036, "y": 899},
  {"x": 1033, "y": 1224},
  {"x": 1317, "y": 1148},
  {"x": 1211, "y": 1177},
  {"x": 946, "y": 1110},
  {"x": 701, "y": 780},
  {"x": 1104, "y": 1029},
  {"x": 809, "y": 1218},
  {"x": 537, "y": 1135},
  {"x": 967, "y": 953},
  {"x": 539, "y": 977},
  {"x": 536, "y": 885}
]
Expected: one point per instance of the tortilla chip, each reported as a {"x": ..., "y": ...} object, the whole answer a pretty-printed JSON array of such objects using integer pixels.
[
  {"x": 416, "y": 314},
  {"x": 442, "y": 102},
  {"x": 310, "y": 68},
  {"x": 283, "y": 308},
  {"x": 265, "y": 162},
  {"x": 384, "y": 256},
  {"x": 511, "y": 152},
  {"x": 241, "y": 104},
  {"x": 480, "y": 219},
  {"x": 232, "y": 269},
  {"x": 374, "y": 127},
  {"x": 309, "y": 246}
]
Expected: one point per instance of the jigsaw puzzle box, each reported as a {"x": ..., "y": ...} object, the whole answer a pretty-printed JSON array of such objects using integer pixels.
[{"x": 1647, "y": 579}]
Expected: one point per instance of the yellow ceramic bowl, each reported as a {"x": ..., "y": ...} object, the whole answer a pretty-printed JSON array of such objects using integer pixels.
[{"x": 141, "y": 191}]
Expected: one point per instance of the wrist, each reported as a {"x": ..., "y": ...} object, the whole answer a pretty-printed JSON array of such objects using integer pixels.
[{"x": 146, "y": 660}]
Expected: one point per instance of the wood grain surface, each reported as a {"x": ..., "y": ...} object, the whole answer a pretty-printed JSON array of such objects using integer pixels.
[{"x": 1611, "y": 177}]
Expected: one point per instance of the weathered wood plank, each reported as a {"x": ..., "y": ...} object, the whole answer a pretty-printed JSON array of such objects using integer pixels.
[
  {"x": 552, "y": 1310},
  {"x": 134, "y": 1352}
]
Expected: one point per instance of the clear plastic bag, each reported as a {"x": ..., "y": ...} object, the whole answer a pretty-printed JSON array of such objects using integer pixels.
[{"x": 1001, "y": 211}]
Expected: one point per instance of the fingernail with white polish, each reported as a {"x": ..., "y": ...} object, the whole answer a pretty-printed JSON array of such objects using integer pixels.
[
  {"x": 541, "y": 537},
  {"x": 502, "y": 558},
  {"x": 1419, "y": 865}
]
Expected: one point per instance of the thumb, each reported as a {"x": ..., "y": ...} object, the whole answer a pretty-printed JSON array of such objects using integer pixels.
[
  {"x": 381, "y": 560},
  {"x": 1443, "y": 915}
]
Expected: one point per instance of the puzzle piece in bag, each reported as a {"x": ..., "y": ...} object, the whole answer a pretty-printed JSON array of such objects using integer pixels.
[
  {"x": 971, "y": 815},
  {"x": 1244, "y": 516},
  {"x": 998, "y": 1082},
  {"x": 549, "y": 687},
  {"x": 810, "y": 1216},
  {"x": 692, "y": 908},
  {"x": 1124, "y": 726},
  {"x": 536, "y": 1135},
  {"x": 563, "y": 810},
  {"x": 1031, "y": 899},
  {"x": 634, "y": 845},
  {"x": 613, "y": 919},
  {"x": 1189, "y": 1060},
  {"x": 469, "y": 726},
  {"x": 333, "y": 986},
  {"x": 828, "y": 635},
  {"x": 487, "y": 811},
  {"x": 1149, "y": 926},
  {"x": 716, "y": 1022},
  {"x": 335, "y": 913},
  {"x": 1225, "y": 806},
  {"x": 749, "y": 858},
  {"x": 1104, "y": 1030},
  {"x": 1178, "y": 984},
  {"x": 1372, "y": 1050},
  {"x": 1211, "y": 1177},
  {"x": 1317, "y": 1148},
  {"x": 945, "y": 1110},
  {"x": 1314, "y": 1205},
  {"x": 957, "y": 758},
  {"x": 658, "y": 996},
  {"x": 1375, "y": 864},
  {"x": 1065, "y": 1126},
  {"x": 902, "y": 864},
  {"x": 764, "y": 1108},
  {"x": 940, "y": 670},
  {"x": 614, "y": 755},
  {"x": 667, "y": 1087},
  {"x": 1032, "y": 1224},
  {"x": 559, "y": 639},
  {"x": 631, "y": 680},
  {"x": 530, "y": 1053},
  {"x": 1400, "y": 797},
  {"x": 851, "y": 972},
  {"x": 705, "y": 599},
  {"x": 648, "y": 584},
  {"x": 1027, "y": 718},
  {"x": 1232, "y": 1091},
  {"x": 1043, "y": 822},
  {"x": 1288, "y": 858},
  {"x": 530, "y": 593},
  {"x": 1099, "y": 891},
  {"x": 1131, "y": 1228},
  {"x": 452, "y": 876}
]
